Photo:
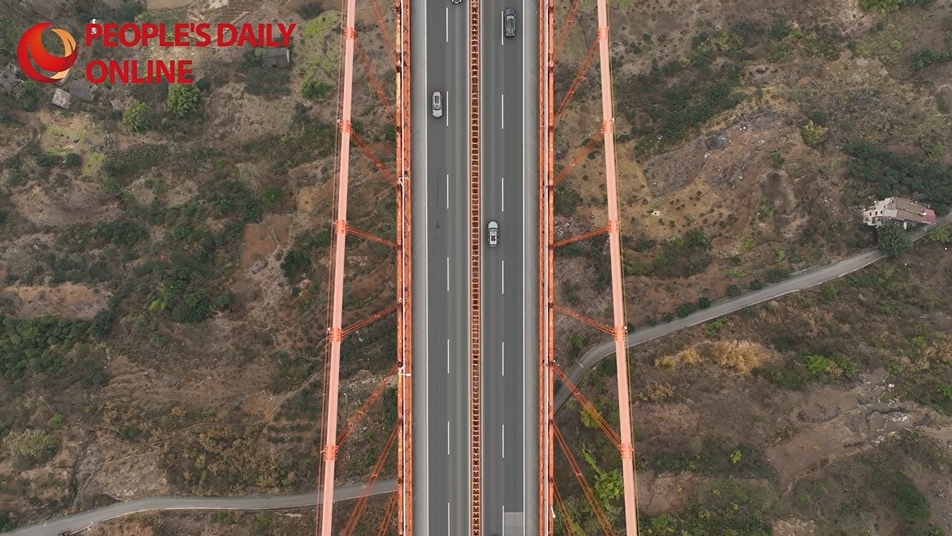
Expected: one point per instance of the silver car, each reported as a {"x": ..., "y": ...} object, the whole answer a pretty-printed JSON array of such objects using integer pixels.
[
  {"x": 437, "y": 104},
  {"x": 493, "y": 234}
]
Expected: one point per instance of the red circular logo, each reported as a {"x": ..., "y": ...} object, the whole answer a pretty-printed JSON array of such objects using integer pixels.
[{"x": 30, "y": 51}]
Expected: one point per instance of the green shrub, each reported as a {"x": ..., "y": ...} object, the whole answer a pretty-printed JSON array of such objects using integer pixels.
[
  {"x": 733, "y": 291},
  {"x": 911, "y": 505},
  {"x": 315, "y": 89},
  {"x": 756, "y": 284},
  {"x": 703, "y": 302},
  {"x": 939, "y": 235},
  {"x": 73, "y": 160},
  {"x": 6, "y": 524},
  {"x": 136, "y": 116},
  {"x": 183, "y": 99},
  {"x": 272, "y": 195},
  {"x": 812, "y": 134},
  {"x": 224, "y": 301},
  {"x": 685, "y": 309},
  {"x": 829, "y": 293}
]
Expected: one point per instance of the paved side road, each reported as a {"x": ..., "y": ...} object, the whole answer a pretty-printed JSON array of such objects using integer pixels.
[
  {"x": 803, "y": 281},
  {"x": 87, "y": 520}
]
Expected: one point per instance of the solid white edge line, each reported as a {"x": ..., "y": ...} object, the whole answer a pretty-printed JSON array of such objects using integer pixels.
[
  {"x": 525, "y": 475},
  {"x": 426, "y": 259}
]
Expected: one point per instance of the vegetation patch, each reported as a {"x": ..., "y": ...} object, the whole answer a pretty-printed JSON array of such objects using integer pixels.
[
  {"x": 728, "y": 507},
  {"x": 889, "y": 174}
]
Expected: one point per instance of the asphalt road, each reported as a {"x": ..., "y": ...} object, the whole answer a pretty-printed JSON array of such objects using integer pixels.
[
  {"x": 86, "y": 520},
  {"x": 440, "y": 269},
  {"x": 803, "y": 281},
  {"x": 509, "y": 113}
]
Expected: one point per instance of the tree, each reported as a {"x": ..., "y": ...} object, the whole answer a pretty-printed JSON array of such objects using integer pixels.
[
  {"x": 894, "y": 240},
  {"x": 812, "y": 134},
  {"x": 102, "y": 325},
  {"x": 73, "y": 160},
  {"x": 183, "y": 99},
  {"x": 588, "y": 420},
  {"x": 940, "y": 235},
  {"x": 135, "y": 116},
  {"x": 296, "y": 265},
  {"x": 315, "y": 89},
  {"x": 608, "y": 486}
]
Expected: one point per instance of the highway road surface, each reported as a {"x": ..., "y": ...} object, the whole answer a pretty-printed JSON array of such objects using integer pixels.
[
  {"x": 86, "y": 520},
  {"x": 803, "y": 281},
  {"x": 440, "y": 269},
  {"x": 509, "y": 168}
]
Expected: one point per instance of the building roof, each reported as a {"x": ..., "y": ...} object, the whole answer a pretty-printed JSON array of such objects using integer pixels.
[
  {"x": 906, "y": 210},
  {"x": 62, "y": 98},
  {"x": 83, "y": 90},
  {"x": 9, "y": 79},
  {"x": 898, "y": 209},
  {"x": 276, "y": 57}
]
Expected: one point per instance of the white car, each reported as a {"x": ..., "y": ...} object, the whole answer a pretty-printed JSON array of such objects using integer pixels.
[
  {"x": 437, "y": 104},
  {"x": 493, "y": 234}
]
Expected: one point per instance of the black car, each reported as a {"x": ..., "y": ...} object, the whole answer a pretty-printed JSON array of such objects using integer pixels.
[{"x": 509, "y": 22}]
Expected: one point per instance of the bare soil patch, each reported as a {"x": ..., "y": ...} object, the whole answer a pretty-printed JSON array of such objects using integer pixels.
[{"x": 68, "y": 300}]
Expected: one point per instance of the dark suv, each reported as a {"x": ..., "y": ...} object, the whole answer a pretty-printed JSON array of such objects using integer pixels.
[{"x": 509, "y": 22}]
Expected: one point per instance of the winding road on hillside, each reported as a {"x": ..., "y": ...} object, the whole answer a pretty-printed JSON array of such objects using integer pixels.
[
  {"x": 803, "y": 281},
  {"x": 86, "y": 520}
]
